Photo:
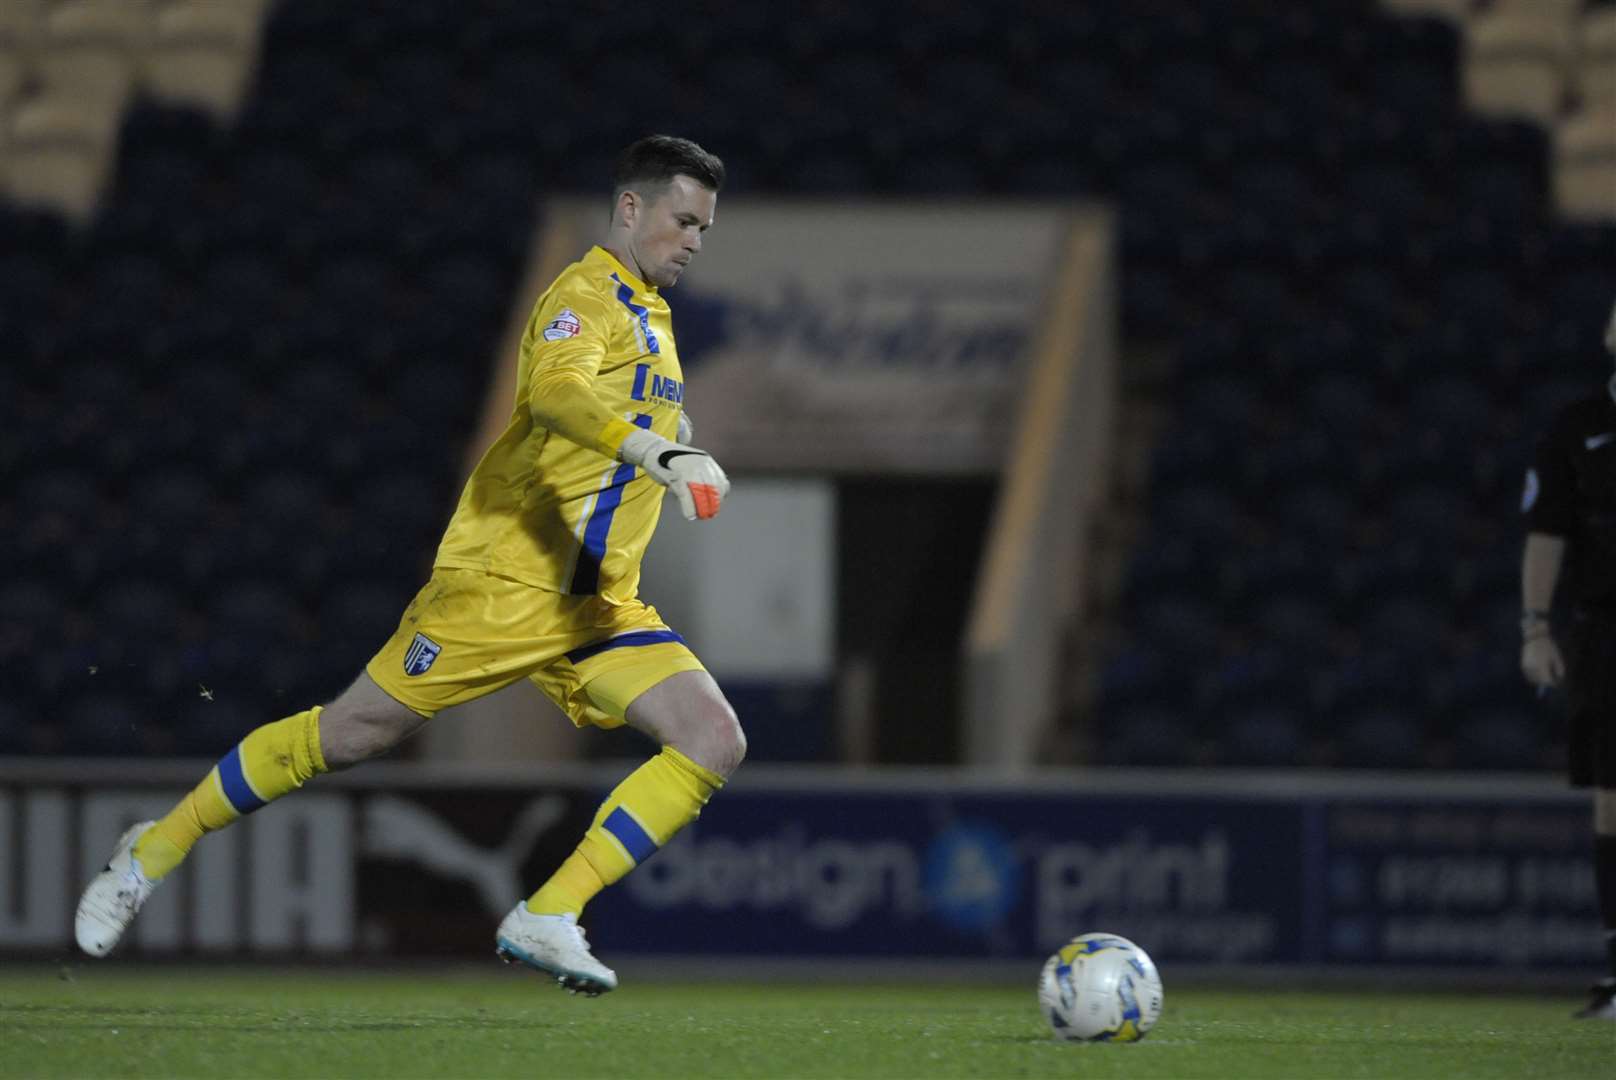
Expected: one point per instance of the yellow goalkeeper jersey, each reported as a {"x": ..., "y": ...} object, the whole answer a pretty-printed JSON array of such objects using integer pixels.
[{"x": 541, "y": 509}]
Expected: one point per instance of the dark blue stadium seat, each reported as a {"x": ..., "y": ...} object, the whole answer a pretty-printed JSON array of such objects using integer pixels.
[
  {"x": 1154, "y": 301},
  {"x": 278, "y": 179},
  {"x": 1300, "y": 623},
  {"x": 1503, "y": 738},
  {"x": 1188, "y": 455},
  {"x": 1232, "y": 403},
  {"x": 1167, "y": 565},
  {"x": 1426, "y": 90},
  {"x": 1411, "y": 625},
  {"x": 1368, "y": 295},
  {"x": 1248, "y": 678},
  {"x": 105, "y": 725},
  {"x": 72, "y": 493},
  {"x": 833, "y": 170},
  {"x": 1148, "y": 736},
  {"x": 1180, "y": 628},
  {"x": 1376, "y": 678},
  {"x": 14, "y": 730},
  {"x": 942, "y": 170},
  {"x": 1199, "y": 512},
  {"x": 1365, "y": 580},
  {"x": 1344, "y": 403},
  {"x": 1134, "y": 677},
  {"x": 1419, "y": 456},
  {"x": 135, "y": 608},
  {"x": 1456, "y": 406},
  {"x": 1476, "y": 682},
  {"x": 209, "y": 728},
  {"x": 417, "y": 70},
  {"x": 403, "y": 505},
  {"x": 1381, "y": 738},
  {"x": 260, "y": 609},
  {"x": 1273, "y": 469},
  {"x": 363, "y": 611},
  {"x": 1281, "y": 566},
  {"x": 1283, "y": 188},
  {"x": 320, "y": 395},
  {"x": 1262, "y": 735}
]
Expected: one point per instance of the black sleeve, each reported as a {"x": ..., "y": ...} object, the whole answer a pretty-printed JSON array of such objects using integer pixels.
[{"x": 1551, "y": 484}]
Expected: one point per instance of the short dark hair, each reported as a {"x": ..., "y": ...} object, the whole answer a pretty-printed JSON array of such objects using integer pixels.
[{"x": 657, "y": 159}]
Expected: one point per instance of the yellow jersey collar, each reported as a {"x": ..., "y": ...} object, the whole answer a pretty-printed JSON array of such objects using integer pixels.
[{"x": 627, "y": 276}]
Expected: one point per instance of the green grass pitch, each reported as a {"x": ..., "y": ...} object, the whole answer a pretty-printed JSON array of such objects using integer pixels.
[{"x": 124, "y": 1019}]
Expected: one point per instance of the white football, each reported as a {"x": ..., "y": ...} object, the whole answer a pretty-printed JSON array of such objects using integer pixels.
[{"x": 1100, "y": 988}]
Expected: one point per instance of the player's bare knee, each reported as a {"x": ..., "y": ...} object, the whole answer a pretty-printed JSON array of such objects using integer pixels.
[
  {"x": 360, "y": 737},
  {"x": 713, "y": 739},
  {"x": 727, "y": 744},
  {"x": 346, "y": 739},
  {"x": 357, "y": 727}
]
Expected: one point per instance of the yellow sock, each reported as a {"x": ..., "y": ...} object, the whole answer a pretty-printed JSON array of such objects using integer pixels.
[
  {"x": 640, "y": 815},
  {"x": 270, "y": 762}
]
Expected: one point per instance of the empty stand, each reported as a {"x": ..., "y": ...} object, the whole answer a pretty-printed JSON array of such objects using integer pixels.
[{"x": 251, "y": 366}]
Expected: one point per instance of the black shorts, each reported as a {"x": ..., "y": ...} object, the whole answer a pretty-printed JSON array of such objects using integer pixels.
[{"x": 1591, "y": 694}]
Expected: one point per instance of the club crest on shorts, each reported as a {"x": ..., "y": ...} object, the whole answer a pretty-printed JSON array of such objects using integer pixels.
[
  {"x": 419, "y": 656},
  {"x": 564, "y": 325}
]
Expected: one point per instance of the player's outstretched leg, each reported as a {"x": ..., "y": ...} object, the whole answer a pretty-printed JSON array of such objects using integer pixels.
[
  {"x": 114, "y": 897},
  {"x": 271, "y": 761}
]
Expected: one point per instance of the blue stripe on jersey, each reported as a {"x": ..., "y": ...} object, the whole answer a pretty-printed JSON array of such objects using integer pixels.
[
  {"x": 636, "y": 840},
  {"x": 640, "y": 372},
  {"x": 234, "y": 782},
  {"x": 624, "y": 641},
  {"x": 586, "y": 573},
  {"x": 641, "y": 313}
]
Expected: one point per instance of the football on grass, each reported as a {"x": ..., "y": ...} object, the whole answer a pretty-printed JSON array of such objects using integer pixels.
[{"x": 1100, "y": 988}]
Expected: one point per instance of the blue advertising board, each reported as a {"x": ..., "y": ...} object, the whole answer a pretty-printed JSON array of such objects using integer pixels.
[
  {"x": 1207, "y": 869},
  {"x": 1467, "y": 882},
  {"x": 990, "y": 875},
  {"x": 1209, "y": 878}
]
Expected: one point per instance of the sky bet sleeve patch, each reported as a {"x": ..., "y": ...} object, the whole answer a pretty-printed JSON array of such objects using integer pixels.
[{"x": 564, "y": 325}]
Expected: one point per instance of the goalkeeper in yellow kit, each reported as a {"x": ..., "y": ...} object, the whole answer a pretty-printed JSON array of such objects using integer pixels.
[{"x": 536, "y": 577}]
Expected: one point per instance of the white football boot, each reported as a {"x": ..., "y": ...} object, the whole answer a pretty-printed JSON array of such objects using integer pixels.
[
  {"x": 553, "y": 944},
  {"x": 113, "y": 898}
]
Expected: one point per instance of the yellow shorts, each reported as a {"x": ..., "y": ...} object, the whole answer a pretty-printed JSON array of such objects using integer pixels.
[{"x": 467, "y": 634}]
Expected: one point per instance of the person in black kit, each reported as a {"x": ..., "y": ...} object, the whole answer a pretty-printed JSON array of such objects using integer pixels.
[{"x": 1570, "y": 508}]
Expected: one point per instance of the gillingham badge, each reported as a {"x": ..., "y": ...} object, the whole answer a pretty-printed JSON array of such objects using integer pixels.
[{"x": 419, "y": 656}]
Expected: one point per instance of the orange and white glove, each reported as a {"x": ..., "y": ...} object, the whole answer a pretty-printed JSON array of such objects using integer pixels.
[{"x": 689, "y": 473}]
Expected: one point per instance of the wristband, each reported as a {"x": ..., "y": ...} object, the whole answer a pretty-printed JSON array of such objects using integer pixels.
[{"x": 610, "y": 439}]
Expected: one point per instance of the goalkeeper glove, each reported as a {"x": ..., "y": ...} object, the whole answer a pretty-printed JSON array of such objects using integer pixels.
[{"x": 689, "y": 473}]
